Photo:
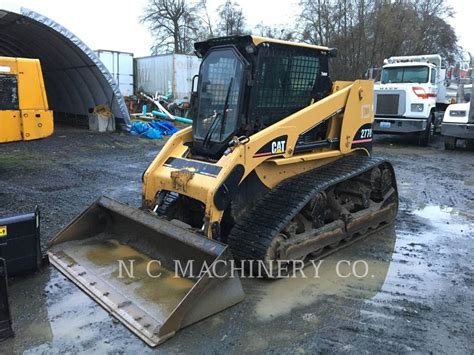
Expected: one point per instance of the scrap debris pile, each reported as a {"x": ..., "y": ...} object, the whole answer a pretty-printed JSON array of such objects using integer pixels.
[
  {"x": 152, "y": 125},
  {"x": 154, "y": 129}
]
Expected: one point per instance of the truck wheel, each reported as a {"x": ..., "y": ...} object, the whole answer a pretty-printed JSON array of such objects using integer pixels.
[
  {"x": 425, "y": 136},
  {"x": 449, "y": 143}
]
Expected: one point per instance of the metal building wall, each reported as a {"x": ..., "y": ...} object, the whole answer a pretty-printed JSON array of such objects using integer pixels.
[
  {"x": 154, "y": 74},
  {"x": 186, "y": 67},
  {"x": 167, "y": 73},
  {"x": 120, "y": 66}
]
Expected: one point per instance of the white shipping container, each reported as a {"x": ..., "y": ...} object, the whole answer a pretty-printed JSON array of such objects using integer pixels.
[
  {"x": 120, "y": 65},
  {"x": 165, "y": 74}
]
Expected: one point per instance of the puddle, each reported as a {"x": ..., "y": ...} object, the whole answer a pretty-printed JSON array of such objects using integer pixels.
[
  {"x": 413, "y": 270},
  {"x": 107, "y": 252},
  {"x": 51, "y": 315},
  {"x": 446, "y": 217},
  {"x": 48, "y": 312},
  {"x": 135, "y": 279},
  {"x": 396, "y": 262},
  {"x": 469, "y": 182},
  {"x": 353, "y": 270}
]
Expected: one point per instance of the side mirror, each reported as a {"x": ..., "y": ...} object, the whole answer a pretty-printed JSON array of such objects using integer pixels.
[
  {"x": 467, "y": 97},
  {"x": 194, "y": 95},
  {"x": 194, "y": 83}
]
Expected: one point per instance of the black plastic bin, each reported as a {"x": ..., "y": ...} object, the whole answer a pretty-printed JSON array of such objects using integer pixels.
[
  {"x": 20, "y": 243},
  {"x": 6, "y": 330}
]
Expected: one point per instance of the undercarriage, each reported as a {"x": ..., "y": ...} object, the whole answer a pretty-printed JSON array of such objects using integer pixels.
[{"x": 308, "y": 216}]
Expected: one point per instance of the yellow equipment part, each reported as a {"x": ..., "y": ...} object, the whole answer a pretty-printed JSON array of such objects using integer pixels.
[
  {"x": 349, "y": 99},
  {"x": 284, "y": 185},
  {"x": 24, "y": 111}
]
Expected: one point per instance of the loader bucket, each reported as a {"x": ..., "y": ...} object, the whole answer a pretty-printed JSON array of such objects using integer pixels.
[{"x": 152, "y": 300}]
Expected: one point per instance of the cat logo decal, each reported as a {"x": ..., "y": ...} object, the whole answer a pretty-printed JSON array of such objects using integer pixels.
[{"x": 276, "y": 146}]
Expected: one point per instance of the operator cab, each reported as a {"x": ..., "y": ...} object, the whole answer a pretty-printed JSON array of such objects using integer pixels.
[{"x": 247, "y": 83}]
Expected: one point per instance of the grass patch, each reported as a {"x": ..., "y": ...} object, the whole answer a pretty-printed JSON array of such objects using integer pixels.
[{"x": 23, "y": 160}]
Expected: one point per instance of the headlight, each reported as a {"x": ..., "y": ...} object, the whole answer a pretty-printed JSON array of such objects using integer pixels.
[
  {"x": 457, "y": 113},
  {"x": 417, "y": 107}
]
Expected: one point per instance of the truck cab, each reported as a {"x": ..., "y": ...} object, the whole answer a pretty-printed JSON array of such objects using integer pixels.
[
  {"x": 458, "y": 121},
  {"x": 410, "y": 96}
]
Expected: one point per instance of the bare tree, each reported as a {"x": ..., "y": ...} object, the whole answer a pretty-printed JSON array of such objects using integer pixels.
[
  {"x": 173, "y": 23},
  {"x": 208, "y": 29},
  {"x": 315, "y": 23},
  {"x": 232, "y": 19},
  {"x": 367, "y": 31},
  {"x": 434, "y": 34}
]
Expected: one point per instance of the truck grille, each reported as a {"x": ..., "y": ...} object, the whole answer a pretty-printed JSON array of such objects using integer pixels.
[{"x": 387, "y": 104}]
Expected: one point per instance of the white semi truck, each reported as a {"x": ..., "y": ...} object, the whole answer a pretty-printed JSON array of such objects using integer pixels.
[
  {"x": 411, "y": 96},
  {"x": 458, "y": 122}
]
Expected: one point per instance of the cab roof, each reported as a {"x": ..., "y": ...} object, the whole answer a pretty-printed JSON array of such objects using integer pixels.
[
  {"x": 257, "y": 40},
  {"x": 204, "y": 46},
  {"x": 409, "y": 64}
]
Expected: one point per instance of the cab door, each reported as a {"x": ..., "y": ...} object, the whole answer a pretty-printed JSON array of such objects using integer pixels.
[{"x": 10, "y": 119}]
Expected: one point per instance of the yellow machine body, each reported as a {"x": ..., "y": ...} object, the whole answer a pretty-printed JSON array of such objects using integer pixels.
[
  {"x": 349, "y": 108},
  {"x": 24, "y": 110}
]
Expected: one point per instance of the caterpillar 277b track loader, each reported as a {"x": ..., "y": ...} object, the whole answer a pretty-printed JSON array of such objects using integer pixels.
[{"x": 276, "y": 167}]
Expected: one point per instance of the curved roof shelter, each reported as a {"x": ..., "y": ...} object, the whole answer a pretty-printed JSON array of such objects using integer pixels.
[{"x": 75, "y": 78}]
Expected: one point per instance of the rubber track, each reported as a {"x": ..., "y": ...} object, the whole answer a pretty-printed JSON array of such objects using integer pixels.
[
  {"x": 169, "y": 199},
  {"x": 253, "y": 233}
]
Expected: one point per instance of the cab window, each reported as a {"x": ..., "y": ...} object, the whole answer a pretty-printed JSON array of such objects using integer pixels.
[
  {"x": 285, "y": 79},
  {"x": 405, "y": 74},
  {"x": 433, "y": 76}
]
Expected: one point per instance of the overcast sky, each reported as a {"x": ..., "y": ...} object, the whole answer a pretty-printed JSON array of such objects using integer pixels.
[{"x": 113, "y": 24}]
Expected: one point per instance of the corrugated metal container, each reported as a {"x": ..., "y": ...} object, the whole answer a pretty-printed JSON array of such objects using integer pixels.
[
  {"x": 165, "y": 74},
  {"x": 120, "y": 65}
]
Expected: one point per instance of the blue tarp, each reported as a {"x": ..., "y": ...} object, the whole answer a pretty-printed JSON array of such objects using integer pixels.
[
  {"x": 153, "y": 129},
  {"x": 167, "y": 127}
]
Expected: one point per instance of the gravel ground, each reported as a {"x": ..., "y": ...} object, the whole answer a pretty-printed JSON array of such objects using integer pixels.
[{"x": 416, "y": 297}]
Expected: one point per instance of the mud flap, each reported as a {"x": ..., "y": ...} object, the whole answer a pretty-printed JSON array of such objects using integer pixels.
[{"x": 127, "y": 261}]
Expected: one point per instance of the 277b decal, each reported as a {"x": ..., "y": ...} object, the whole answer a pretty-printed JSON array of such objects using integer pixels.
[{"x": 364, "y": 135}]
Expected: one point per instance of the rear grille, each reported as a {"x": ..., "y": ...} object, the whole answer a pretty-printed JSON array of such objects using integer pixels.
[
  {"x": 8, "y": 92},
  {"x": 387, "y": 104}
]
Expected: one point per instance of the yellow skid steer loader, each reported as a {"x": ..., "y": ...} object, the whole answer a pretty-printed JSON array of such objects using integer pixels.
[{"x": 276, "y": 169}]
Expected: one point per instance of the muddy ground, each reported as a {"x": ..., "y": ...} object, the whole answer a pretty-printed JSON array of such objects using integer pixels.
[{"x": 417, "y": 295}]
